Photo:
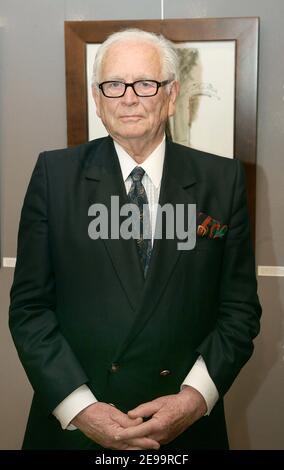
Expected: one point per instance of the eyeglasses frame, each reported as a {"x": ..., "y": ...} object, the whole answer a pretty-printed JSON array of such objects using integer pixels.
[{"x": 131, "y": 85}]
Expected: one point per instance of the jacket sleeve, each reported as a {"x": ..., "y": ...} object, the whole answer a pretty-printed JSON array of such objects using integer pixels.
[
  {"x": 50, "y": 364},
  {"x": 230, "y": 344}
]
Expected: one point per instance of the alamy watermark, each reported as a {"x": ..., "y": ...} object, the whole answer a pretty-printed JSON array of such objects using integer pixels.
[{"x": 125, "y": 221}]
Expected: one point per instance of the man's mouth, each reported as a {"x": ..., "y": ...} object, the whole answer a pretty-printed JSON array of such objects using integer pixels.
[{"x": 131, "y": 117}]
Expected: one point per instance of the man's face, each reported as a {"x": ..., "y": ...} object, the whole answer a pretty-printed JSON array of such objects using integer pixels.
[{"x": 131, "y": 116}]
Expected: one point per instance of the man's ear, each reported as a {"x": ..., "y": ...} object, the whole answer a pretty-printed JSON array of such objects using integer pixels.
[
  {"x": 96, "y": 96},
  {"x": 175, "y": 87}
]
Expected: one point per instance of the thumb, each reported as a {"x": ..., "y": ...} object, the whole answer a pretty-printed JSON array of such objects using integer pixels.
[
  {"x": 145, "y": 410},
  {"x": 127, "y": 421}
]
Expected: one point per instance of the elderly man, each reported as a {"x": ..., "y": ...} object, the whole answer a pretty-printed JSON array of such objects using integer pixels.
[{"x": 131, "y": 343}]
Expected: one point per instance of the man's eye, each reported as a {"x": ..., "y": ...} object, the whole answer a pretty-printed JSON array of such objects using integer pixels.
[
  {"x": 115, "y": 84},
  {"x": 146, "y": 84}
]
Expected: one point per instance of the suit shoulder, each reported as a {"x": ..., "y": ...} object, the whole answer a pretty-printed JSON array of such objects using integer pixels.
[
  {"x": 77, "y": 155},
  {"x": 202, "y": 157},
  {"x": 204, "y": 162}
]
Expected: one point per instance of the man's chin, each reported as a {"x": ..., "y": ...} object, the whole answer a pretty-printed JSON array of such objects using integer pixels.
[{"x": 131, "y": 134}]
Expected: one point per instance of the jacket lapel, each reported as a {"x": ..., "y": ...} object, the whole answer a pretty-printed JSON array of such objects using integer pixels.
[
  {"x": 103, "y": 171},
  {"x": 178, "y": 187}
]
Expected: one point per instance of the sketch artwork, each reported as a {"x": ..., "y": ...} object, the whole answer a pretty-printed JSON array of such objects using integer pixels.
[{"x": 191, "y": 91}]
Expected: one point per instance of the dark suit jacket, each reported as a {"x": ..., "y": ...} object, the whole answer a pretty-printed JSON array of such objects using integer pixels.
[{"x": 79, "y": 305}]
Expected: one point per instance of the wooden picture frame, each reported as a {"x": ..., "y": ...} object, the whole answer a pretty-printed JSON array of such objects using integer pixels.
[{"x": 244, "y": 31}]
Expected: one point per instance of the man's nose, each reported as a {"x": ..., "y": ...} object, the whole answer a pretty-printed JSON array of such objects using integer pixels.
[{"x": 130, "y": 96}]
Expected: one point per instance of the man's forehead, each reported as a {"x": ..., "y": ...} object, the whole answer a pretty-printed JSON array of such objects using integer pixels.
[
  {"x": 129, "y": 48},
  {"x": 141, "y": 56}
]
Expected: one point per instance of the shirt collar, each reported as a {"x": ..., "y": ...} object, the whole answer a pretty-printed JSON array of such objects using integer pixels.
[{"x": 153, "y": 165}]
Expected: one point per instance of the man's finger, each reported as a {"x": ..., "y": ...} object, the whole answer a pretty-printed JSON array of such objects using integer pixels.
[
  {"x": 126, "y": 421},
  {"x": 145, "y": 410},
  {"x": 142, "y": 430},
  {"x": 144, "y": 443}
]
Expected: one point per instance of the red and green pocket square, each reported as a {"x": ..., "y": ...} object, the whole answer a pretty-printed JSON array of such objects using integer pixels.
[{"x": 209, "y": 227}]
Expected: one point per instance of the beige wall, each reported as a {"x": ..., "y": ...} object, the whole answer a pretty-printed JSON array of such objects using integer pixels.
[{"x": 33, "y": 118}]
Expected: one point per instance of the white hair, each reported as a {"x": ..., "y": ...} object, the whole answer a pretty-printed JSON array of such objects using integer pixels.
[{"x": 168, "y": 54}]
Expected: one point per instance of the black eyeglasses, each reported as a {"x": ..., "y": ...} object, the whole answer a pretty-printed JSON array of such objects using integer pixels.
[{"x": 116, "y": 89}]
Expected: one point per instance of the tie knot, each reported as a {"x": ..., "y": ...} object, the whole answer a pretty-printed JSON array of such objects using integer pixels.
[{"x": 137, "y": 174}]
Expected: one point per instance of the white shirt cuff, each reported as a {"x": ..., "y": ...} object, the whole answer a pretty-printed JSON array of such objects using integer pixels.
[
  {"x": 77, "y": 401},
  {"x": 199, "y": 378}
]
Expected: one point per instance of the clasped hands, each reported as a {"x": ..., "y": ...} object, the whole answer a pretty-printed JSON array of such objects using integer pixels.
[{"x": 169, "y": 416}]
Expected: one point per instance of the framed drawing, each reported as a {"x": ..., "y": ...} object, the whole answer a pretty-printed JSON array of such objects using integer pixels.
[{"x": 217, "y": 107}]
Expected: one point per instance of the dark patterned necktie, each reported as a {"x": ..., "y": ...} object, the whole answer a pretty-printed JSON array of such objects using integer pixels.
[{"x": 137, "y": 195}]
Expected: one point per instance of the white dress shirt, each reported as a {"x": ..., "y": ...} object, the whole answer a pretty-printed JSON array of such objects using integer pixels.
[{"x": 198, "y": 377}]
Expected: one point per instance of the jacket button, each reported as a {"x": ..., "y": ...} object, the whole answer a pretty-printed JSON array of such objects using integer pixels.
[
  {"x": 114, "y": 367},
  {"x": 165, "y": 372}
]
